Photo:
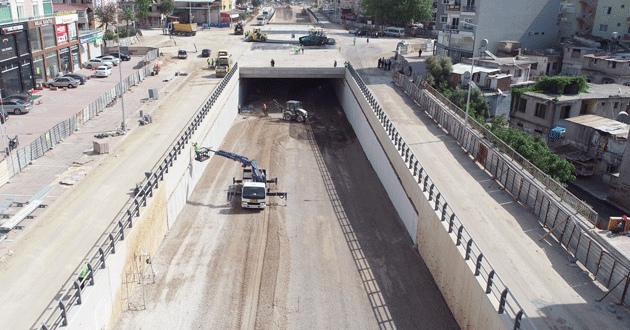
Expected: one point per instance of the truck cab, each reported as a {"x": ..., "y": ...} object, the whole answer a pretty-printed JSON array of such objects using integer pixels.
[{"x": 254, "y": 195}]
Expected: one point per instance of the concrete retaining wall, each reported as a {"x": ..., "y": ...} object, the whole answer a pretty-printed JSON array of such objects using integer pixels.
[
  {"x": 104, "y": 301},
  {"x": 462, "y": 291}
]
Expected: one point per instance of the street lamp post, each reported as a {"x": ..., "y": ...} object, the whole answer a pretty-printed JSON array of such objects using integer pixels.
[
  {"x": 123, "y": 127},
  {"x": 472, "y": 68}
]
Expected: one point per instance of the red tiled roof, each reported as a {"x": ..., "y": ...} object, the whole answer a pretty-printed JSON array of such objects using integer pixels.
[{"x": 60, "y": 7}]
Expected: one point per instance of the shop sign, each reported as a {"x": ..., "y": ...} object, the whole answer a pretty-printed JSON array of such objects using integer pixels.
[
  {"x": 62, "y": 34},
  {"x": 42, "y": 22},
  {"x": 12, "y": 29},
  {"x": 91, "y": 37},
  {"x": 66, "y": 19},
  {"x": 65, "y": 12}
]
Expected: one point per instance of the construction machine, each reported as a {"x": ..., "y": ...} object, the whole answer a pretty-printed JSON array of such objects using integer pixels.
[
  {"x": 252, "y": 187},
  {"x": 222, "y": 65},
  {"x": 316, "y": 36},
  {"x": 293, "y": 111},
  {"x": 256, "y": 35},
  {"x": 238, "y": 28}
]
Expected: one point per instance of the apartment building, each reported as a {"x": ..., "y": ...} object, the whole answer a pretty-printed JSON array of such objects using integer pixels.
[
  {"x": 601, "y": 61},
  {"x": 463, "y": 24},
  {"x": 612, "y": 16}
]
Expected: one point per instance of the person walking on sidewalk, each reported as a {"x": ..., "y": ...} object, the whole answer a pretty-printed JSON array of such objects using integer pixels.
[
  {"x": 420, "y": 52},
  {"x": 380, "y": 62},
  {"x": 354, "y": 41},
  {"x": 273, "y": 63}
]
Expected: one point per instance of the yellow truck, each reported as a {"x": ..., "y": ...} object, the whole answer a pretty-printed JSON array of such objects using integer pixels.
[
  {"x": 222, "y": 64},
  {"x": 184, "y": 29}
]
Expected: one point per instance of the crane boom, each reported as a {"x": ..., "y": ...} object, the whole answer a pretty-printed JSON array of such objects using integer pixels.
[{"x": 257, "y": 174}]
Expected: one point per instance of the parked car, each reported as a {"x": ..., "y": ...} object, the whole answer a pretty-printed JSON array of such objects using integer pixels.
[
  {"x": 182, "y": 53},
  {"x": 122, "y": 56},
  {"x": 17, "y": 106},
  {"x": 353, "y": 31},
  {"x": 112, "y": 59},
  {"x": 3, "y": 116},
  {"x": 205, "y": 53},
  {"x": 81, "y": 78},
  {"x": 26, "y": 97},
  {"x": 103, "y": 71},
  {"x": 96, "y": 62},
  {"x": 63, "y": 82}
]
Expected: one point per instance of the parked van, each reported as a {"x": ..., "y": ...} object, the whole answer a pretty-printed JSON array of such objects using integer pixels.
[
  {"x": 394, "y": 32},
  {"x": 182, "y": 53}
]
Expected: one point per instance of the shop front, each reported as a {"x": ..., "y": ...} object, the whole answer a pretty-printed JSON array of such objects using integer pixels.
[
  {"x": 52, "y": 43},
  {"x": 90, "y": 44},
  {"x": 15, "y": 59}
]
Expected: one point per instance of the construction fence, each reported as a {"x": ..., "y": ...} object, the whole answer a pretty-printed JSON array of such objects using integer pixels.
[
  {"x": 555, "y": 207},
  {"x": 20, "y": 158}
]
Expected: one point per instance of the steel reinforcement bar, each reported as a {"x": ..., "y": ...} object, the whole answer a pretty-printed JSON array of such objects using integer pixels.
[
  {"x": 496, "y": 290},
  {"x": 71, "y": 297}
]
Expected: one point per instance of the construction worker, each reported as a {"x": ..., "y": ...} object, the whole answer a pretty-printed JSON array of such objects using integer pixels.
[
  {"x": 212, "y": 62},
  {"x": 208, "y": 62},
  {"x": 273, "y": 63},
  {"x": 265, "y": 109},
  {"x": 345, "y": 64},
  {"x": 354, "y": 41},
  {"x": 196, "y": 145},
  {"x": 82, "y": 276}
]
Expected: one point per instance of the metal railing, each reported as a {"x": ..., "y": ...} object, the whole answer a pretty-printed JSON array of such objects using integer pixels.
[
  {"x": 469, "y": 8},
  {"x": 20, "y": 158},
  {"x": 496, "y": 290},
  {"x": 71, "y": 297},
  {"x": 529, "y": 186}
]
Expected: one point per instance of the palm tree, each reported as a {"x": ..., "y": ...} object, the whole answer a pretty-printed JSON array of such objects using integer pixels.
[
  {"x": 107, "y": 15},
  {"x": 127, "y": 15}
]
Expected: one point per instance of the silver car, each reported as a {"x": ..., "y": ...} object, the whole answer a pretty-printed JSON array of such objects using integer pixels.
[
  {"x": 17, "y": 106},
  {"x": 63, "y": 82},
  {"x": 114, "y": 60}
]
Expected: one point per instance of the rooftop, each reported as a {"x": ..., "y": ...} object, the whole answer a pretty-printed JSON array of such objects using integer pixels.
[
  {"x": 618, "y": 57},
  {"x": 602, "y": 124},
  {"x": 595, "y": 91},
  {"x": 501, "y": 61},
  {"x": 460, "y": 68}
]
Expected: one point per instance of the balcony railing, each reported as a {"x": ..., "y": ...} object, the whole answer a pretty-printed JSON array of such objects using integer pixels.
[
  {"x": 451, "y": 27},
  {"x": 469, "y": 8},
  {"x": 466, "y": 27},
  {"x": 25, "y": 19},
  {"x": 454, "y": 7}
]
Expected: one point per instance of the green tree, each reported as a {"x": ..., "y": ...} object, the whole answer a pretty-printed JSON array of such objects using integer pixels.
[
  {"x": 533, "y": 149},
  {"x": 438, "y": 70},
  {"x": 166, "y": 7},
  {"x": 478, "y": 107},
  {"x": 127, "y": 16},
  {"x": 106, "y": 15},
  {"x": 256, "y": 3},
  {"x": 142, "y": 8},
  {"x": 398, "y": 11}
]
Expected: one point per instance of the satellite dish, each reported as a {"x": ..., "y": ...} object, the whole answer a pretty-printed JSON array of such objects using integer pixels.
[
  {"x": 467, "y": 75},
  {"x": 623, "y": 117},
  {"x": 484, "y": 42}
]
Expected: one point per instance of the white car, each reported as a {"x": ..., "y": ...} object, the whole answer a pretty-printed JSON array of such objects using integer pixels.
[
  {"x": 96, "y": 62},
  {"x": 112, "y": 59},
  {"x": 103, "y": 71}
]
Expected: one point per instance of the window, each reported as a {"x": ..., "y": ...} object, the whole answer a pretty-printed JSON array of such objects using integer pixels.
[
  {"x": 518, "y": 73},
  {"x": 443, "y": 19},
  {"x": 538, "y": 132},
  {"x": 603, "y": 104},
  {"x": 595, "y": 61},
  {"x": 607, "y": 10},
  {"x": 603, "y": 27},
  {"x": 565, "y": 111},
  {"x": 34, "y": 39},
  {"x": 541, "y": 110},
  {"x": 50, "y": 37},
  {"x": 535, "y": 66},
  {"x": 615, "y": 105},
  {"x": 554, "y": 66},
  {"x": 36, "y": 10},
  {"x": 522, "y": 105},
  {"x": 612, "y": 64},
  {"x": 575, "y": 53},
  {"x": 20, "y": 12}
]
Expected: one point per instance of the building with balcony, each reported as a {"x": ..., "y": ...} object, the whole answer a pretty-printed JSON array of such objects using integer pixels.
[
  {"x": 576, "y": 17},
  {"x": 532, "y": 23}
]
